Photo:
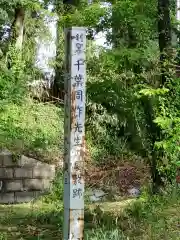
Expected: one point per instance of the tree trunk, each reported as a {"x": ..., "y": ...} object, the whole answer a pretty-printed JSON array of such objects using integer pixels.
[
  {"x": 164, "y": 31},
  {"x": 18, "y": 28},
  {"x": 17, "y": 34},
  {"x": 165, "y": 37},
  {"x": 154, "y": 133},
  {"x": 57, "y": 88}
]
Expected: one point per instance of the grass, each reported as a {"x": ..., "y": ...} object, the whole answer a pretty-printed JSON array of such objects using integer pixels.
[
  {"x": 145, "y": 218},
  {"x": 38, "y": 128},
  {"x": 32, "y": 128}
]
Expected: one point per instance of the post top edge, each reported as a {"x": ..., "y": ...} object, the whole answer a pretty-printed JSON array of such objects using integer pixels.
[{"x": 73, "y": 28}]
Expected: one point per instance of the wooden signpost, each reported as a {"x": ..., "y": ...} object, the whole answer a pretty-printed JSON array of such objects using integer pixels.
[{"x": 74, "y": 143}]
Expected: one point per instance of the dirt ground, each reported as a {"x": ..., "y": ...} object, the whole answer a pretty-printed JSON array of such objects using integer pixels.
[{"x": 120, "y": 175}]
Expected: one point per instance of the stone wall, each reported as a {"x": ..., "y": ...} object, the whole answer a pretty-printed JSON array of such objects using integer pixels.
[{"x": 23, "y": 179}]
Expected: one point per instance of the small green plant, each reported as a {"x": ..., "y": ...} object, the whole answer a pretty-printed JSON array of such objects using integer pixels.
[
  {"x": 103, "y": 234},
  {"x": 56, "y": 194},
  {"x": 3, "y": 236}
]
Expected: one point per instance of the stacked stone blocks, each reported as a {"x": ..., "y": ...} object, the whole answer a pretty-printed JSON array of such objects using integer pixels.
[{"x": 23, "y": 179}]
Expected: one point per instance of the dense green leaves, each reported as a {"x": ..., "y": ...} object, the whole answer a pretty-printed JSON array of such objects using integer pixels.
[{"x": 129, "y": 107}]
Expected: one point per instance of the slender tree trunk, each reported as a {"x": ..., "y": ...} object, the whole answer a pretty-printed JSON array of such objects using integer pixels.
[
  {"x": 165, "y": 37},
  {"x": 57, "y": 88},
  {"x": 58, "y": 84}
]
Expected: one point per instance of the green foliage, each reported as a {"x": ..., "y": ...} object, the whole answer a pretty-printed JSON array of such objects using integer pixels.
[
  {"x": 146, "y": 218},
  {"x": 87, "y": 16},
  {"x": 115, "y": 115},
  {"x": 12, "y": 84},
  {"x": 104, "y": 234},
  {"x": 56, "y": 194},
  {"x": 32, "y": 128},
  {"x": 153, "y": 92},
  {"x": 127, "y": 108},
  {"x": 133, "y": 22},
  {"x": 35, "y": 28},
  {"x": 40, "y": 220},
  {"x": 168, "y": 120},
  {"x": 114, "y": 112}
]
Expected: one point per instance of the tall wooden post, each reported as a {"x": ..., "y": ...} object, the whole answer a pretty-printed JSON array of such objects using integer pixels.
[
  {"x": 178, "y": 9},
  {"x": 74, "y": 143},
  {"x": 178, "y": 18}
]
